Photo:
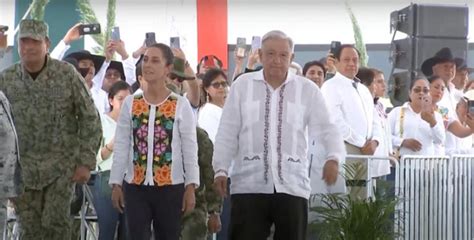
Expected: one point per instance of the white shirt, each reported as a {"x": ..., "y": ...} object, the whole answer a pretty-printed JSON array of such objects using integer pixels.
[
  {"x": 184, "y": 167},
  {"x": 101, "y": 100},
  {"x": 317, "y": 159},
  {"x": 382, "y": 167},
  {"x": 263, "y": 131},
  {"x": 209, "y": 117},
  {"x": 449, "y": 102},
  {"x": 417, "y": 128},
  {"x": 108, "y": 132},
  {"x": 352, "y": 109}
]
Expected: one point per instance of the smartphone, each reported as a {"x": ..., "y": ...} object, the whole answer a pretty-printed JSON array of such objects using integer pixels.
[
  {"x": 150, "y": 39},
  {"x": 470, "y": 107},
  {"x": 93, "y": 28},
  {"x": 335, "y": 45},
  {"x": 241, "y": 46},
  {"x": 115, "y": 34},
  {"x": 426, "y": 105},
  {"x": 256, "y": 43},
  {"x": 209, "y": 61},
  {"x": 174, "y": 42}
]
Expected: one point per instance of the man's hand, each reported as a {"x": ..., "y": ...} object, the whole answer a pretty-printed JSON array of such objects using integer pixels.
[
  {"x": 119, "y": 47},
  {"x": 429, "y": 117},
  {"x": 72, "y": 34},
  {"x": 139, "y": 51},
  {"x": 81, "y": 174},
  {"x": 330, "y": 172},
  {"x": 369, "y": 147},
  {"x": 469, "y": 120},
  {"x": 412, "y": 144},
  {"x": 239, "y": 61},
  {"x": 189, "y": 199},
  {"x": 220, "y": 185},
  {"x": 331, "y": 63},
  {"x": 178, "y": 53},
  {"x": 109, "y": 51},
  {"x": 253, "y": 60},
  {"x": 214, "y": 223},
  {"x": 117, "y": 198}
]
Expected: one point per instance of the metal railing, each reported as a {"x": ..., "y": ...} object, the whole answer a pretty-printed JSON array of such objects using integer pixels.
[{"x": 435, "y": 197}]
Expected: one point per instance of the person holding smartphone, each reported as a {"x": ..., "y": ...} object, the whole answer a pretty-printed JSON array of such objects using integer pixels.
[
  {"x": 416, "y": 126},
  {"x": 460, "y": 125}
]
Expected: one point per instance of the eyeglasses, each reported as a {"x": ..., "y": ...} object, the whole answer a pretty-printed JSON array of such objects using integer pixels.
[
  {"x": 219, "y": 84},
  {"x": 418, "y": 90}
]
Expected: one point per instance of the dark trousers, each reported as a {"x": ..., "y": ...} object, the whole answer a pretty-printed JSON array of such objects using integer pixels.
[
  {"x": 151, "y": 204},
  {"x": 252, "y": 216}
]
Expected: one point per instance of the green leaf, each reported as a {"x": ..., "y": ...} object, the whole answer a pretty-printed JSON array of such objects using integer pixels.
[
  {"x": 359, "y": 41},
  {"x": 37, "y": 9}
]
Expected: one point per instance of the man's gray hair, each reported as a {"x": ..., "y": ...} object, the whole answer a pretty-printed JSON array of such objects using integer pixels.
[{"x": 277, "y": 34}]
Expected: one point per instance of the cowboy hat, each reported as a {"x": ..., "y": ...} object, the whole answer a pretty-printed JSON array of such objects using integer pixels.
[{"x": 442, "y": 56}]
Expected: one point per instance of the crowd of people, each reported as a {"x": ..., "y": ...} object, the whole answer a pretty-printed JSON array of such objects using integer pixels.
[{"x": 179, "y": 154}]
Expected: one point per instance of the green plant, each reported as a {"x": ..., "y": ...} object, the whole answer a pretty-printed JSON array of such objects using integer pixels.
[
  {"x": 37, "y": 9},
  {"x": 88, "y": 16},
  {"x": 342, "y": 216},
  {"x": 359, "y": 41}
]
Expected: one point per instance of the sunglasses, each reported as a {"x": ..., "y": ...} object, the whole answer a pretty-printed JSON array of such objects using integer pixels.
[
  {"x": 418, "y": 90},
  {"x": 219, "y": 84}
]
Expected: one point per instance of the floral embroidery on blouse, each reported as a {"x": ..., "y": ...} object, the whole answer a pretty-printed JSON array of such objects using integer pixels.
[
  {"x": 162, "y": 136},
  {"x": 444, "y": 113}
]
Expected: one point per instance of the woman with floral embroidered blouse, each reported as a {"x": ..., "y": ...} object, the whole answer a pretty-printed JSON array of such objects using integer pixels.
[{"x": 155, "y": 153}]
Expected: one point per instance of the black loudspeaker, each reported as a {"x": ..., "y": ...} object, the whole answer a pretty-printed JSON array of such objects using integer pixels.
[
  {"x": 399, "y": 87},
  {"x": 430, "y": 20},
  {"x": 411, "y": 52}
]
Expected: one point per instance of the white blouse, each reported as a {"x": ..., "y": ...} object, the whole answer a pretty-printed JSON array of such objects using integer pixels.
[
  {"x": 417, "y": 128},
  {"x": 108, "y": 131},
  {"x": 175, "y": 168},
  {"x": 209, "y": 117}
]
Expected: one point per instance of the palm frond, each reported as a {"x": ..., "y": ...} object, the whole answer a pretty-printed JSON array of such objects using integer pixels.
[
  {"x": 341, "y": 216},
  {"x": 359, "y": 41},
  {"x": 37, "y": 9},
  {"x": 88, "y": 15}
]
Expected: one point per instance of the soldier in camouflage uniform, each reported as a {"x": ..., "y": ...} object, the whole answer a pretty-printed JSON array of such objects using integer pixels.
[
  {"x": 10, "y": 175},
  {"x": 59, "y": 133},
  {"x": 208, "y": 202}
]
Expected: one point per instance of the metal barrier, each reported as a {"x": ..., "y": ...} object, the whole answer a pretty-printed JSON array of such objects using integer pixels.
[
  {"x": 366, "y": 159},
  {"x": 435, "y": 197}
]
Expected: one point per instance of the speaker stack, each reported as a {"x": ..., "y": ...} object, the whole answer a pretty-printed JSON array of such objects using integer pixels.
[{"x": 429, "y": 28}]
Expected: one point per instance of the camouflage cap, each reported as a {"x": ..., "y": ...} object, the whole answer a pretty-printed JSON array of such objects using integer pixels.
[{"x": 34, "y": 29}]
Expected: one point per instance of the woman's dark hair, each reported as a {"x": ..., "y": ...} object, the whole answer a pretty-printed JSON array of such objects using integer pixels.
[
  {"x": 418, "y": 78},
  {"x": 116, "y": 88},
  {"x": 433, "y": 78},
  {"x": 366, "y": 76},
  {"x": 166, "y": 51},
  {"x": 313, "y": 63},
  {"x": 207, "y": 79}
]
